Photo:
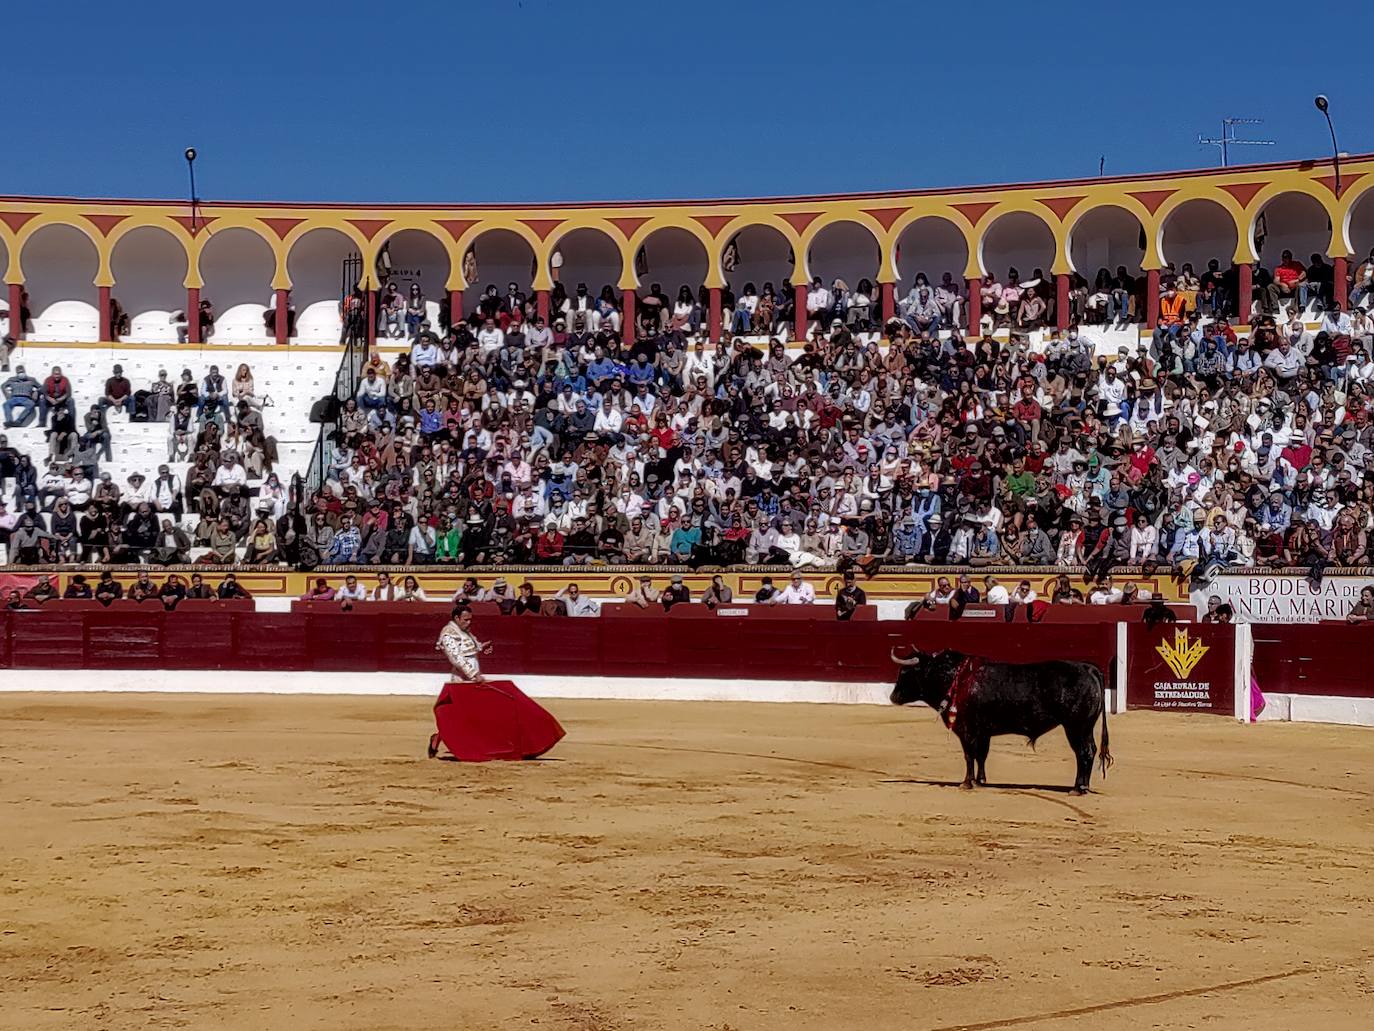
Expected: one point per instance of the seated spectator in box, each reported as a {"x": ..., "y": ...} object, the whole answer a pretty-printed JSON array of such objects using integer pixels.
[
  {"x": 78, "y": 589},
  {"x": 797, "y": 592},
  {"x": 718, "y": 593},
  {"x": 411, "y": 590},
  {"x": 41, "y": 592},
  {"x": 199, "y": 589},
  {"x": 143, "y": 588},
  {"x": 172, "y": 593},
  {"x": 108, "y": 589},
  {"x": 230, "y": 589},
  {"x": 350, "y": 592},
  {"x": 528, "y": 602},
  {"x": 1105, "y": 593},
  {"x": 577, "y": 603},
  {"x": 643, "y": 594},
  {"x": 676, "y": 593},
  {"x": 1362, "y": 611}
]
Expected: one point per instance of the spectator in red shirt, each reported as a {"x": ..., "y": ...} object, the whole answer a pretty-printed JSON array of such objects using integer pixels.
[
  {"x": 57, "y": 393},
  {"x": 1289, "y": 275}
]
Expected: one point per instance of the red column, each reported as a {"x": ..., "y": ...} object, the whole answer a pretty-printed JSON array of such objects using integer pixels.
[
  {"x": 975, "y": 305},
  {"x": 541, "y": 305},
  {"x": 371, "y": 318},
  {"x": 627, "y": 319},
  {"x": 17, "y": 311},
  {"x": 282, "y": 318},
  {"x": 1245, "y": 292},
  {"x": 713, "y": 316},
  {"x": 1151, "y": 298},
  {"x": 1341, "y": 270},
  {"x": 106, "y": 322},
  {"x": 889, "y": 301},
  {"x": 1061, "y": 300},
  {"x": 193, "y": 315},
  {"x": 455, "y": 307},
  {"x": 799, "y": 316}
]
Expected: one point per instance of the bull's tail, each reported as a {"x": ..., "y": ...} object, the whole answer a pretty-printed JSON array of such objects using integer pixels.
[{"x": 1105, "y": 753}]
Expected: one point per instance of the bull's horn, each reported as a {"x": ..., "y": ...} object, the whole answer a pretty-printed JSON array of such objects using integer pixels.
[{"x": 910, "y": 661}]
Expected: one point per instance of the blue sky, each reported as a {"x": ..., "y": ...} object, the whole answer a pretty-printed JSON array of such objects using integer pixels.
[{"x": 537, "y": 100}]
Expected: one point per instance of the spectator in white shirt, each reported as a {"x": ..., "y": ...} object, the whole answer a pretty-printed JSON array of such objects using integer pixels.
[
  {"x": 1285, "y": 361},
  {"x": 351, "y": 590},
  {"x": 797, "y": 592},
  {"x": 1336, "y": 323},
  {"x": 993, "y": 592},
  {"x": 229, "y": 473},
  {"x": 1144, "y": 540},
  {"x": 489, "y": 337},
  {"x": 818, "y": 300},
  {"x": 578, "y": 604},
  {"x": 1105, "y": 593}
]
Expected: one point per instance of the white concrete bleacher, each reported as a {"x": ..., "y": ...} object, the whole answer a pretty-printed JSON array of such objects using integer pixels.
[
  {"x": 292, "y": 378},
  {"x": 75, "y": 321}
]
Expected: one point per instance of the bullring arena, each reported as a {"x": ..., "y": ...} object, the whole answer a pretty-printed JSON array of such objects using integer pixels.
[{"x": 218, "y": 809}]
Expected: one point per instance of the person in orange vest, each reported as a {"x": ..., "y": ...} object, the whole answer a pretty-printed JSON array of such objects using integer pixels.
[{"x": 1171, "y": 309}]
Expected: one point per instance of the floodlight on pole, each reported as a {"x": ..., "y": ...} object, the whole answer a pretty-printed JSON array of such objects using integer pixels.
[
  {"x": 190, "y": 155},
  {"x": 1324, "y": 106}
]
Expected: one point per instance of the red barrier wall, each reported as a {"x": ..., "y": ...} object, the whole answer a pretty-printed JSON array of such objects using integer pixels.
[
  {"x": 401, "y": 638},
  {"x": 1325, "y": 659}
]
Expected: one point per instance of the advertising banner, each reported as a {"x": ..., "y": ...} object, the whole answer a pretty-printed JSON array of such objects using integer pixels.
[
  {"x": 1178, "y": 667},
  {"x": 1284, "y": 599}
]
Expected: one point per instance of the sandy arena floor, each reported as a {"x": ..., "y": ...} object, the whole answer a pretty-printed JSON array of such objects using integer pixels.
[{"x": 266, "y": 862}]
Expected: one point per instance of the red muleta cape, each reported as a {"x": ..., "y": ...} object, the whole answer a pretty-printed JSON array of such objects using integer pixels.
[{"x": 493, "y": 720}]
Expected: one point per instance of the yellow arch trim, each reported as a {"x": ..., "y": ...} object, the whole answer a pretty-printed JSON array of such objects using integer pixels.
[
  {"x": 1001, "y": 211},
  {"x": 1335, "y": 247},
  {"x": 369, "y": 280},
  {"x": 428, "y": 228},
  {"x": 624, "y": 279},
  {"x": 909, "y": 218},
  {"x": 853, "y": 217},
  {"x": 644, "y": 233},
  {"x": 60, "y": 218},
  {"x": 1347, "y": 206},
  {"x": 160, "y": 224},
  {"x": 1076, "y": 214},
  {"x": 749, "y": 219},
  {"x": 202, "y": 240},
  {"x": 511, "y": 225},
  {"x": 1245, "y": 249}
]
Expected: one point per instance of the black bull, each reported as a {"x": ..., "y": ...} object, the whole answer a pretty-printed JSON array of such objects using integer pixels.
[{"x": 979, "y": 700}]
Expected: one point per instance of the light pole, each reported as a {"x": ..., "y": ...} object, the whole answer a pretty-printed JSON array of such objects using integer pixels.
[
  {"x": 1324, "y": 107},
  {"x": 190, "y": 155}
]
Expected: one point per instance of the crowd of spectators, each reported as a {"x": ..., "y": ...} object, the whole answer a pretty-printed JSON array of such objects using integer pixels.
[
  {"x": 216, "y": 490},
  {"x": 500, "y": 439}
]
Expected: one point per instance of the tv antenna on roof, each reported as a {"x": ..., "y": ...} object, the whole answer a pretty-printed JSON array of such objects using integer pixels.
[{"x": 1228, "y": 137}]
